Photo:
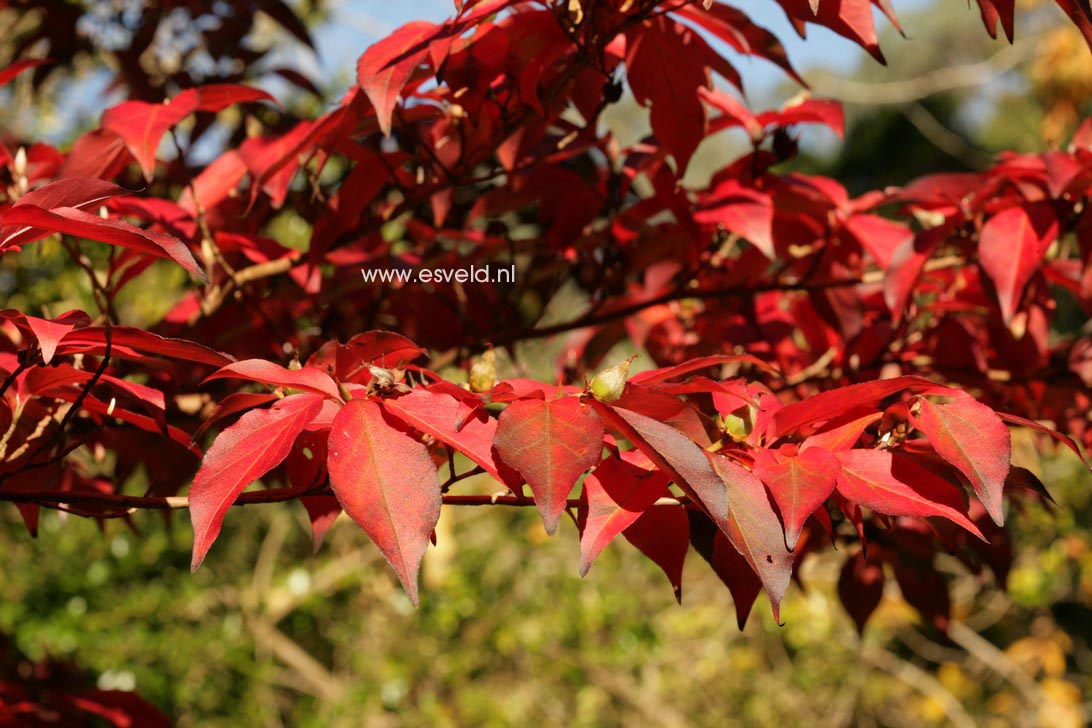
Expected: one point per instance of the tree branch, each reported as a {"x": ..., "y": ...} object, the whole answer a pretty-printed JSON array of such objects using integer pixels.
[
  {"x": 934, "y": 82},
  {"x": 131, "y": 503}
]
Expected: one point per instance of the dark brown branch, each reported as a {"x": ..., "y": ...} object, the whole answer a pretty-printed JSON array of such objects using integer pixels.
[
  {"x": 597, "y": 319},
  {"x": 130, "y": 503}
]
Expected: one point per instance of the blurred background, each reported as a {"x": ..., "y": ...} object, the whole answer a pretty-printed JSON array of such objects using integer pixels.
[{"x": 268, "y": 634}]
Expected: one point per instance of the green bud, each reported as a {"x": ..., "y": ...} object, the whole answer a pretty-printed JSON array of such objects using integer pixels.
[
  {"x": 483, "y": 373},
  {"x": 608, "y": 385},
  {"x": 738, "y": 424}
]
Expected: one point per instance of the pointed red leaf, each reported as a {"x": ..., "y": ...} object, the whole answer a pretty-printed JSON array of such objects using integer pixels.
[
  {"x": 675, "y": 454},
  {"x": 142, "y": 126},
  {"x": 78, "y": 192},
  {"x": 551, "y": 444},
  {"x": 1060, "y": 437},
  {"x": 799, "y": 483},
  {"x": 754, "y": 529},
  {"x": 829, "y": 405},
  {"x": 49, "y": 333},
  {"x": 666, "y": 64},
  {"x": 386, "y": 481},
  {"x": 618, "y": 491},
  {"x": 1011, "y": 248},
  {"x": 95, "y": 336},
  {"x": 662, "y": 533},
  {"x": 971, "y": 436},
  {"x": 386, "y": 66},
  {"x": 729, "y": 566},
  {"x": 455, "y": 424},
  {"x": 322, "y": 511},
  {"x": 693, "y": 365},
  {"x": 9, "y": 72},
  {"x": 259, "y": 370},
  {"x": 860, "y": 587},
  {"x": 71, "y": 221},
  {"x": 743, "y": 211},
  {"x": 736, "y": 29},
  {"x": 894, "y": 485},
  {"x": 219, "y": 96},
  {"x": 243, "y": 453}
]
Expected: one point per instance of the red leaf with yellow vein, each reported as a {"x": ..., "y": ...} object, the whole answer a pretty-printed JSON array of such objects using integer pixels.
[
  {"x": 241, "y": 454},
  {"x": 386, "y": 481},
  {"x": 551, "y": 444},
  {"x": 799, "y": 482}
]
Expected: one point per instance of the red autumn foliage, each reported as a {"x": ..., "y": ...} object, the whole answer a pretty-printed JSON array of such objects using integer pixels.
[{"x": 831, "y": 369}]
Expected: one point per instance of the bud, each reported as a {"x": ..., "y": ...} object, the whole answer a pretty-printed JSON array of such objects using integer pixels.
[
  {"x": 608, "y": 385},
  {"x": 385, "y": 380},
  {"x": 738, "y": 424},
  {"x": 576, "y": 12},
  {"x": 483, "y": 373}
]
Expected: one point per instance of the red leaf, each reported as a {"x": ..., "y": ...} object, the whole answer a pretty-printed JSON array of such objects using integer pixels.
[
  {"x": 676, "y": 455},
  {"x": 843, "y": 432},
  {"x": 662, "y": 375},
  {"x": 77, "y": 192},
  {"x": 925, "y": 590},
  {"x": 9, "y": 72},
  {"x": 77, "y": 341},
  {"x": 808, "y": 111},
  {"x": 832, "y": 404},
  {"x": 800, "y": 484},
  {"x": 386, "y": 66},
  {"x": 894, "y": 485},
  {"x": 46, "y": 332},
  {"x": 259, "y": 370},
  {"x": 729, "y": 566},
  {"x": 386, "y": 481},
  {"x": 736, "y": 29},
  {"x": 453, "y": 423},
  {"x": 618, "y": 491},
  {"x": 971, "y": 436},
  {"x": 860, "y": 587},
  {"x": 322, "y": 511},
  {"x": 218, "y": 96},
  {"x": 907, "y": 263},
  {"x": 1080, "y": 12},
  {"x": 879, "y": 236},
  {"x": 851, "y": 19},
  {"x": 998, "y": 10},
  {"x": 1060, "y": 437},
  {"x": 244, "y": 452},
  {"x": 754, "y": 529},
  {"x": 49, "y": 333},
  {"x": 1011, "y": 248},
  {"x": 71, "y": 221},
  {"x": 142, "y": 125},
  {"x": 550, "y": 444},
  {"x": 662, "y": 533},
  {"x": 666, "y": 65}
]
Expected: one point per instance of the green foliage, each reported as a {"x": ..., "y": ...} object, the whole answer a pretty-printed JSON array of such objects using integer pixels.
[{"x": 266, "y": 635}]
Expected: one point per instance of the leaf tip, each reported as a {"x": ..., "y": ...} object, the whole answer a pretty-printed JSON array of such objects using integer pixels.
[{"x": 792, "y": 537}]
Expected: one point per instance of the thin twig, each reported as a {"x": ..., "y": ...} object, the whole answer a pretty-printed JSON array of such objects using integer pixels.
[{"x": 273, "y": 495}]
